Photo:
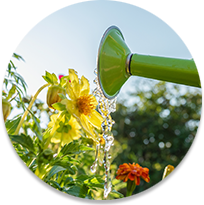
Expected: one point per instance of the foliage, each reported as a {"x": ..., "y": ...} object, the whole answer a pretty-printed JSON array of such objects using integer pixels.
[{"x": 156, "y": 130}]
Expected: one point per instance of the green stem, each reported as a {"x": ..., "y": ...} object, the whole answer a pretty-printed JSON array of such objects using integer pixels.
[
  {"x": 130, "y": 187},
  {"x": 60, "y": 146},
  {"x": 128, "y": 193},
  {"x": 60, "y": 178},
  {"x": 29, "y": 107},
  {"x": 22, "y": 119}
]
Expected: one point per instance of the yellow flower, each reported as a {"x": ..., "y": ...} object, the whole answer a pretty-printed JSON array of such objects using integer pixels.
[
  {"x": 82, "y": 105},
  {"x": 63, "y": 137}
]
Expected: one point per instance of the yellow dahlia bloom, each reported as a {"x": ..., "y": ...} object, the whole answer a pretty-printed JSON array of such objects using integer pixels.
[
  {"x": 63, "y": 137},
  {"x": 81, "y": 104}
]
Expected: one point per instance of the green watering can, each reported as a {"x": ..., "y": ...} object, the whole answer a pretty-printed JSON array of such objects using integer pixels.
[{"x": 116, "y": 64}]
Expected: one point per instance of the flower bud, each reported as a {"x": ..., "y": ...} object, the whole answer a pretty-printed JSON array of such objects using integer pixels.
[
  {"x": 6, "y": 106},
  {"x": 60, "y": 76},
  {"x": 168, "y": 169},
  {"x": 52, "y": 94}
]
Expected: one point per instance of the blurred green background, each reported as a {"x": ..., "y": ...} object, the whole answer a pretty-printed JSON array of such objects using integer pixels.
[{"x": 158, "y": 127}]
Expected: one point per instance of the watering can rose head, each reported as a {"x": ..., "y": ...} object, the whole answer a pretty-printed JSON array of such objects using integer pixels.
[
  {"x": 82, "y": 104},
  {"x": 52, "y": 94}
]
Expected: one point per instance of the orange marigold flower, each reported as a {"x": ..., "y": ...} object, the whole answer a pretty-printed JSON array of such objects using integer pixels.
[{"x": 132, "y": 172}]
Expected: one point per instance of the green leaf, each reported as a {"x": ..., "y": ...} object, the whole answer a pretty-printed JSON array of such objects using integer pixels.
[
  {"x": 54, "y": 184},
  {"x": 118, "y": 194},
  {"x": 36, "y": 128},
  {"x": 59, "y": 106},
  {"x": 74, "y": 190},
  {"x": 96, "y": 183},
  {"x": 24, "y": 140},
  {"x": 65, "y": 164},
  {"x": 54, "y": 78},
  {"x": 47, "y": 79},
  {"x": 50, "y": 78},
  {"x": 55, "y": 169},
  {"x": 70, "y": 149},
  {"x": 11, "y": 92},
  {"x": 68, "y": 180},
  {"x": 67, "y": 128},
  {"x": 73, "y": 148},
  {"x": 11, "y": 125},
  {"x": 62, "y": 96},
  {"x": 83, "y": 191},
  {"x": 61, "y": 127},
  {"x": 85, "y": 148},
  {"x": 79, "y": 191},
  {"x": 46, "y": 134}
]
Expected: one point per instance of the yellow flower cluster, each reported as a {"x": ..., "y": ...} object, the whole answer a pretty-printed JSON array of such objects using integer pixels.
[
  {"x": 81, "y": 105},
  {"x": 63, "y": 137}
]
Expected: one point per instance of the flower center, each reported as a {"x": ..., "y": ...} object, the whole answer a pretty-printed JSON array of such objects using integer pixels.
[
  {"x": 85, "y": 104},
  {"x": 137, "y": 171}
]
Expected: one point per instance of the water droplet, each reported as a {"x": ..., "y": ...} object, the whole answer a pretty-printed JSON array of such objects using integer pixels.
[
  {"x": 94, "y": 165},
  {"x": 95, "y": 71},
  {"x": 95, "y": 81},
  {"x": 106, "y": 107}
]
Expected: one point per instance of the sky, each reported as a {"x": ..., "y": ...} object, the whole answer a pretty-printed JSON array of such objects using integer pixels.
[{"x": 70, "y": 38}]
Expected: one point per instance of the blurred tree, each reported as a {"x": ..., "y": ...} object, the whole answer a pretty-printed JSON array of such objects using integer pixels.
[{"x": 158, "y": 129}]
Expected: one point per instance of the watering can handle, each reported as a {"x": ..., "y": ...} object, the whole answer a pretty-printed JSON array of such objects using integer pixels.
[{"x": 182, "y": 71}]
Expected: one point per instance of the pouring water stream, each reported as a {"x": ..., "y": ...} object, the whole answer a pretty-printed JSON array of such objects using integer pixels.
[{"x": 106, "y": 107}]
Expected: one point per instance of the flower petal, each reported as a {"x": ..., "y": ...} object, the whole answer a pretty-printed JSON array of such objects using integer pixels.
[
  {"x": 87, "y": 127},
  {"x": 137, "y": 181},
  {"x": 131, "y": 176},
  {"x": 85, "y": 87},
  {"x": 70, "y": 91},
  {"x": 95, "y": 119},
  {"x": 73, "y": 86},
  {"x": 73, "y": 75},
  {"x": 71, "y": 107},
  {"x": 74, "y": 124},
  {"x": 120, "y": 177},
  {"x": 67, "y": 138}
]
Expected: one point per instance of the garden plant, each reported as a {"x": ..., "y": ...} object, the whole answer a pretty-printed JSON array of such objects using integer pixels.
[{"x": 151, "y": 136}]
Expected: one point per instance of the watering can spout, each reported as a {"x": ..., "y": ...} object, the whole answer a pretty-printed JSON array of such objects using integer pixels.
[{"x": 116, "y": 64}]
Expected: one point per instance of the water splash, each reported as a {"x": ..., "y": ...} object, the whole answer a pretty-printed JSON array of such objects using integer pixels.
[
  {"x": 94, "y": 165},
  {"x": 106, "y": 107}
]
